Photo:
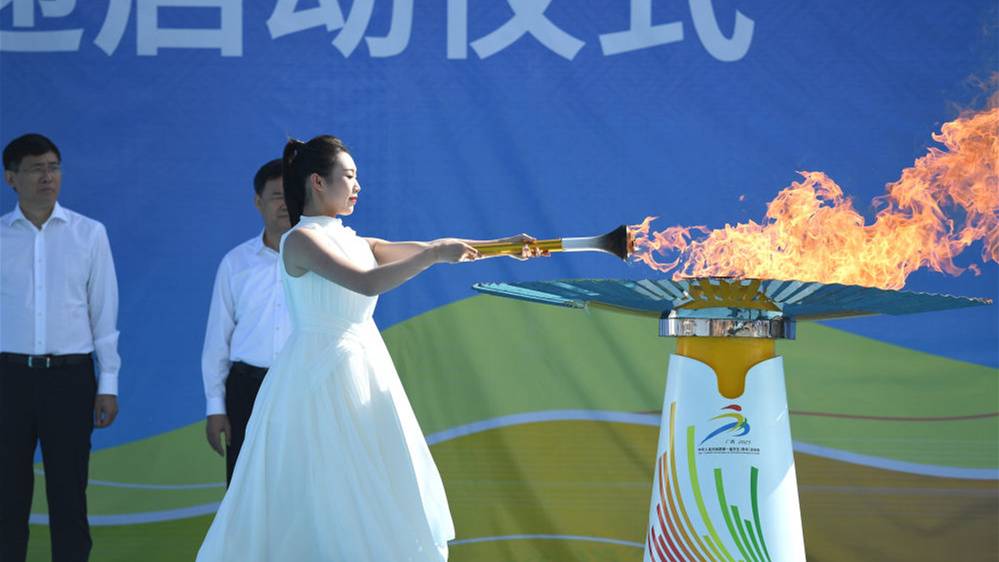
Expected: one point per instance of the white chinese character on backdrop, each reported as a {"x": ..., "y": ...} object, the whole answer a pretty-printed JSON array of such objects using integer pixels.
[
  {"x": 150, "y": 37},
  {"x": 641, "y": 34},
  {"x": 286, "y": 19},
  {"x": 720, "y": 47},
  {"x": 457, "y": 29},
  {"x": 25, "y": 40},
  {"x": 357, "y": 22},
  {"x": 528, "y": 17}
]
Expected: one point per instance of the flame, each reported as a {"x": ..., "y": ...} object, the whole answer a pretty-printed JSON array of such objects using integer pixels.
[{"x": 946, "y": 201}]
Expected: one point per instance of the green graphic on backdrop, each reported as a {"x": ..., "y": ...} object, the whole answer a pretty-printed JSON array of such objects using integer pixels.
[{"x": 546, "y": 444}]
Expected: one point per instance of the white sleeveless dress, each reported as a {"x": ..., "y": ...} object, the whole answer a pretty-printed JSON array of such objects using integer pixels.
[{"x": 334, "y": 466}]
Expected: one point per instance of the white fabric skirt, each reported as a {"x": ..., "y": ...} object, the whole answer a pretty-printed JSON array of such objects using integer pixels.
[{"x": 334, "y": 466}]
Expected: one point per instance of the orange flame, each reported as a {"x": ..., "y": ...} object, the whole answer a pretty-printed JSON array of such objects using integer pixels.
[{"x": 946, "y": 201}]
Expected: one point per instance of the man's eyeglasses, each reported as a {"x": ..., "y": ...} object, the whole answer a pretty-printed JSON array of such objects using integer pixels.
[{"x": 39, "y": 170}]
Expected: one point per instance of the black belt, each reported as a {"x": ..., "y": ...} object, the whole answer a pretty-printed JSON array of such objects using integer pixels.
[
  {"x": 45, "y": 361},
  {"x": 247, "y": 370}
]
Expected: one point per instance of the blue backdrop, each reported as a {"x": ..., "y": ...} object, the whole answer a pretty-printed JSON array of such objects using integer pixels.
[{"x": 474, "y": 119}]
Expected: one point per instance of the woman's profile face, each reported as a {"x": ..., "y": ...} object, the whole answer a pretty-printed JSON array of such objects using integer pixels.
[{"x": 341, "y": 187}]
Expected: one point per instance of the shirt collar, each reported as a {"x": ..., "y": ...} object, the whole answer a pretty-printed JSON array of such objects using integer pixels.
[
  {"x": 58, "y": 212},
  {"x": 258, "y": 245}
]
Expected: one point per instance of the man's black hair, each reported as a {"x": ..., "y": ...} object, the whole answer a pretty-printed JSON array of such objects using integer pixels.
[
  {"x": 31, "y": 144},
  {"x": 267, "y": 172}
]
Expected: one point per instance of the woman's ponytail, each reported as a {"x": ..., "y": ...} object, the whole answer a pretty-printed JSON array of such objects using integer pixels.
[{"x": 294, "y": 184}]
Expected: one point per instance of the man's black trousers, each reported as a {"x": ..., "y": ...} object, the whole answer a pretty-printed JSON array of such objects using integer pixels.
[
  {"x": 53, "y": 406},
  {"x": 241, "y": 388}
]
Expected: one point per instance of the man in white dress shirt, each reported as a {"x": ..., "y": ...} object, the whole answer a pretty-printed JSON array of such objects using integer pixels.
[
  {"x": 247, "y": 321},
  {"x": 59, "y": 309}
]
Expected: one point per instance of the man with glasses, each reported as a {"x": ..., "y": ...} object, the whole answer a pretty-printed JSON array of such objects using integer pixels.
[{"x": 59, "y": 309}]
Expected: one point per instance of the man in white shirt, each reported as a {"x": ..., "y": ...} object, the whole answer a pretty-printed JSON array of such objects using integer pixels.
[
  {"x": 59, "y": 309},
  {"x": 247, "y": 321}
]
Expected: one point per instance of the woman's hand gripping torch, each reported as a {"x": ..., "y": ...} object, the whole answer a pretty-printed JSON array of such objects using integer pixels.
[{"x": 618, "y": 242}]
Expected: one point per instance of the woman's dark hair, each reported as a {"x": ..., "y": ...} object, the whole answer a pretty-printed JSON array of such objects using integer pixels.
[
  {"x": 31, "y": 144},
  {"x": 302, "y": 159}
]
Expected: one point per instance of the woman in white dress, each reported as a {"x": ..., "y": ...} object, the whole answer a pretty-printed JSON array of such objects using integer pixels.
[{"x": 334, "y": 466}]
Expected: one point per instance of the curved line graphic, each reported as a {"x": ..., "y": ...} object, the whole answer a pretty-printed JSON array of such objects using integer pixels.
[
  {"x": 942, "y": 471},
  {"x": 651, "y": 420},
  {"x": 139, "y": 518},
  {"x": 897, "y": 418},
  {"x": 110, "y": 484},
  {"x": 695, "y": 486},
  {"x": 603, "y": 540},
  {"x": 721, "y": 429},
  {"x": 898, "y": 466},
  {"x": 737, "y": 417},
  {"x": 965, "y": 417},
  {"x": 540, "y": 417},
  {"x": 686, "y": 527},
  {"x": 742, "y": 429},
  {"x": 139, "y": 486}
]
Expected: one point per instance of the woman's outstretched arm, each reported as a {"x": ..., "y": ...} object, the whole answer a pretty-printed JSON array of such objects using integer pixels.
[
  {"x": 387, "y": 252},
  {"x": 306, "y": 251}
]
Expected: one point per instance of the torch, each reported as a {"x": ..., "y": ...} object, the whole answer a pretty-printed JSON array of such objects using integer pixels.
[
  {"x": 619, "y": 242},
  {"x": 724, "y": 486}
]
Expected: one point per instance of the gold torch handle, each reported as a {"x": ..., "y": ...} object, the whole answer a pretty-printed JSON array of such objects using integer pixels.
[{"x": 516, "y": 248}]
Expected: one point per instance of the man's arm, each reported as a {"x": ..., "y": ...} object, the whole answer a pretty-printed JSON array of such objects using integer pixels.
[
  {"x": 102, "y": 307},
  {"x": 215, "y": 361}
]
